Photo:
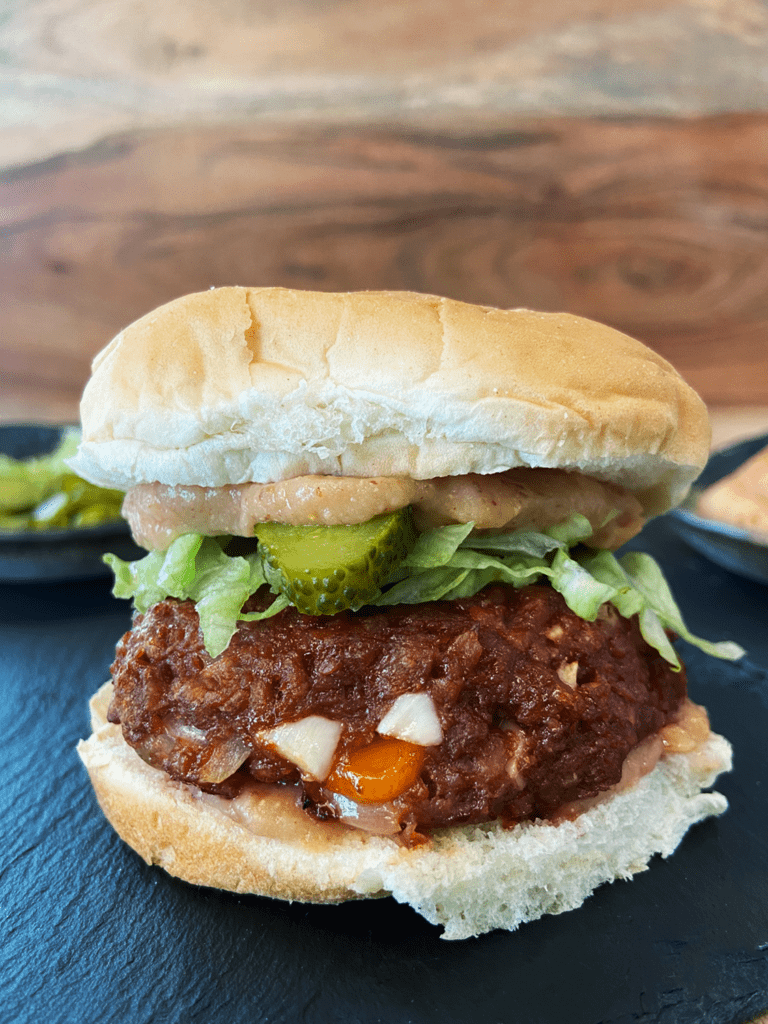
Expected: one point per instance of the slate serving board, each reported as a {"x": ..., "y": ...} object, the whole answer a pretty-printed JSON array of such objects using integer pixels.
[{"x": 88, "y": 932}]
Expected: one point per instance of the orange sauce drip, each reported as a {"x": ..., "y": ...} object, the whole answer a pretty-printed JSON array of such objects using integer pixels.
[{"x": 378, "y": 772}]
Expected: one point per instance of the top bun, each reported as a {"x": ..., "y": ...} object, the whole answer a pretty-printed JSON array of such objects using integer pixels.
[{"x": 235, "y": 385}]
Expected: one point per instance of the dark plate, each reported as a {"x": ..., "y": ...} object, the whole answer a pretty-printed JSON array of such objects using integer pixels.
[
  {"x": 56, "y": 555},
  {"x": 726, "y": 545},
  {"x": 88, "y": 932}
]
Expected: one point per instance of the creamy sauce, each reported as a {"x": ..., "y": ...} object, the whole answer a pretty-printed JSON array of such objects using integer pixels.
[
  {"x": 275, "y": 812},
  {"x": 517, "y": 499},
  {"x": 741, "y": 498},
  {"x": 688, "y": 731}
]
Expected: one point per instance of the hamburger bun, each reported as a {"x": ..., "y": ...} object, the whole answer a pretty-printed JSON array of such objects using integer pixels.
[
  {"x": 235, "y": 385},
  {"x": 258, "y": 385}
]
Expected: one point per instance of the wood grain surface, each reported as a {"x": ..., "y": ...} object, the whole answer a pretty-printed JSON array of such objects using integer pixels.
[
  {"x": 608, "y": 157},
  {"x": 656, "y": 226},
  {"x": 73, "y": 72}
]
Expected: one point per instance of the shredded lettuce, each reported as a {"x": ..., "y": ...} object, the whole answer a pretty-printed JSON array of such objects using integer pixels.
[
  {"x": 445, "y": 563},
  {"x": 641, "y": 589},
  {"x": 197, "y": 568}
]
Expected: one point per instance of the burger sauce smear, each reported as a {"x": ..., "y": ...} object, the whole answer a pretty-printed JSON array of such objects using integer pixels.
[{"x": 517, "y": 499}]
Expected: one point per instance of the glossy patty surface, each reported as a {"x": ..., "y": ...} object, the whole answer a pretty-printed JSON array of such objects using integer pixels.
[{"x": 537, "y": 707}]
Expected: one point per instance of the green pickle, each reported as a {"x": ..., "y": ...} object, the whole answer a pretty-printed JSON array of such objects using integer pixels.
[{"x": 323, "y": 570}]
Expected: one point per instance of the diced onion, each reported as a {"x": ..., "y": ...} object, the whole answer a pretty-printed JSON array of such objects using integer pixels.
[
  {"x": 217, "y": 765},
  {"x": 182, "y": 731},
  {"x": 516, "y": 744},
  {"x": 155, "y": 749},
  {"x": 159, "y": 746},
  {"x": 568, "y": 673},
  {"x": 413, "y": 718},
  {"x": 309, "y": 743},
  {"x": 225, "y": 759},
  {"x": 378, "y": 819}
]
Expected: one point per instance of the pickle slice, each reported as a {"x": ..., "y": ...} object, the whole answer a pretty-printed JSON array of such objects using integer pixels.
[{"x": 323, "y": 570}]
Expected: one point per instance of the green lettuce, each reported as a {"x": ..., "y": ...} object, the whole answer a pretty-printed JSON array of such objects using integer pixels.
[
  {"x": 196, "y": 568},
  {"x": 640, "y": 589},
  {"x": 445, "y": 563}
]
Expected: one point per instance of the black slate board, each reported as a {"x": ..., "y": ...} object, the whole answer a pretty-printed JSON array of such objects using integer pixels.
[{"x": 90, "y": 933}]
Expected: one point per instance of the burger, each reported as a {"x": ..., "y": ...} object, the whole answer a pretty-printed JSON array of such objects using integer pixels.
[{"x": 381, "y": 643}]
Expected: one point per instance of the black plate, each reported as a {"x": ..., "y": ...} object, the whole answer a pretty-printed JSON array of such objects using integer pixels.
[
  {"x": 56, "y": 555},
  {"x": 88, "y": 932},
  {"x": 726, "y": 545}
]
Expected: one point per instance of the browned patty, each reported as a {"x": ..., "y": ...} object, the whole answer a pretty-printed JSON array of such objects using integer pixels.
[{"x": 489, "y": 662}]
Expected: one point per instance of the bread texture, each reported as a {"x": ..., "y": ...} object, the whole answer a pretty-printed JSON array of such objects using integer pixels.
[
  {"x": 469, "y": 879},
  {"x": 235, "y": 385}
]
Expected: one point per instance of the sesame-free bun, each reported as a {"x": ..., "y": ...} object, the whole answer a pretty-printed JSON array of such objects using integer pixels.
[
  {"x": 469, "y": 879},
  {"x": 234, "y": 385}
]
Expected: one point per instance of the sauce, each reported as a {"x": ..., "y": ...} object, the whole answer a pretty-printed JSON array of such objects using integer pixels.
[
  {"x": 275, "y": 811},
  {"x": 688, "y": 731},
  {"x": 531, "y": 499}
]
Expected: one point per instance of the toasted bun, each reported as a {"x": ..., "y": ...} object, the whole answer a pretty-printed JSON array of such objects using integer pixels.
[
  {"x": 470, "y": 879},
  {"x": 259, "y": 384}
]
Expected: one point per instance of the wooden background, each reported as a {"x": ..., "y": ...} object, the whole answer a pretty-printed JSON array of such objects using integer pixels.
[{"x": 608, "y": 158}]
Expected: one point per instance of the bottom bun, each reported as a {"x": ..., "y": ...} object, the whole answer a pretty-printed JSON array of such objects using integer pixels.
[{"x": 470, "y": 879}]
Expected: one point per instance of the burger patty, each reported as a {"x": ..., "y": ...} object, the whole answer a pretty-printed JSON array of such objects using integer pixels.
[{"x": 538, "y": 708}]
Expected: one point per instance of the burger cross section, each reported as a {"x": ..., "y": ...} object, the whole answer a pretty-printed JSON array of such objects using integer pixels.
[{"x": 381, "y": 641}]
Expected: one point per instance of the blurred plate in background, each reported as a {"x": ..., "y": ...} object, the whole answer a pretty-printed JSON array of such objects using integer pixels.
[
  {"x": 726, "y": 545},
  {"x": 56, "y": 555}
]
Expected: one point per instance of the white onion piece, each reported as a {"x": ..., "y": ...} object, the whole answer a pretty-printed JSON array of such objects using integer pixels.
[
  {"x": 413, "y": 718},
  {"x": 181, "y": 731},
  {"x": 516, "y": 745},
  {"x": 378, "y": 819},
  {"x": 568, "y": 673},
  {"x": 309, "y": 743},
  {"x": 155, "y": 749},
  {"x": 225, "y": 759}
]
